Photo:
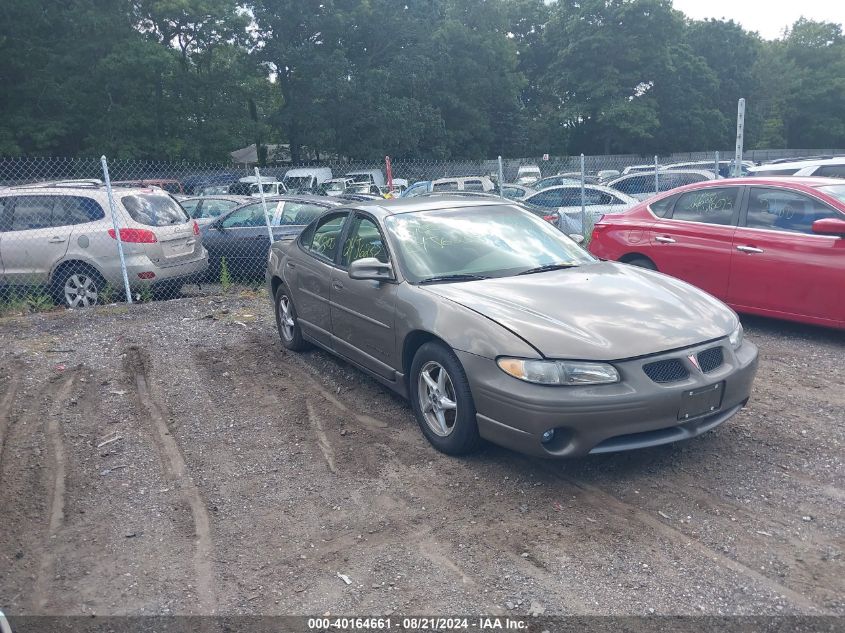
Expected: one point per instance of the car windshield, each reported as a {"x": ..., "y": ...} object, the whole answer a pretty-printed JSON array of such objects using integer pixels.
[
  {"x": 836, "y": 191},
  {"x": 154, "y": 210},
  {"x": 489, "y": 241},
  {"x": 334, "y": 186}
]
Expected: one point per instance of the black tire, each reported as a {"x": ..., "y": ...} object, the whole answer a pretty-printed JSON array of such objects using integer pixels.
[
  {"x": 291, "y": 336},
  {"x": 85, "y": 278},
  {"x": 461, "y": 429},
  {"x": 642, "y": 262}
]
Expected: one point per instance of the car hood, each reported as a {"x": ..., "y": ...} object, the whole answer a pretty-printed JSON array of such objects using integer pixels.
[{"x": 601, "y": 311}]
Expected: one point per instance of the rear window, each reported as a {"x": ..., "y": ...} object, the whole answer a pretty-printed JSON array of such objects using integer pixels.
[
  {"x": 831, "y": 171},
  {"x": 154, "y": 209},
  {"x": 790, "y": 171}
]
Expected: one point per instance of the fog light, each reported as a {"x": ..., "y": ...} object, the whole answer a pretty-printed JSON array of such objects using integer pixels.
[{"x": 548, "y": 436}]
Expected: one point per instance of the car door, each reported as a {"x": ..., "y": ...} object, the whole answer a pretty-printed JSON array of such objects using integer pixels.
[
  {"x": 309, "y": 275},
  {"x": 35, "y": 237},
  {"x": 363, "y": 310},
  {"x": 695, "y": 241},
  {"x": 780, "y": 266},
  {"x": 241, "y": 238}
]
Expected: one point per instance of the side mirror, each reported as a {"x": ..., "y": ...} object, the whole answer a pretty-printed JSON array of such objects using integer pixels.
[
  {"x": 371, "y": 268},
  {"x": 829, "y": 226},
  {"x": 577, "y": 238}
]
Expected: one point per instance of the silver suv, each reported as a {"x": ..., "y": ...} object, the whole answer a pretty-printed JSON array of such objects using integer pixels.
[{"x": 60, "y": 236}]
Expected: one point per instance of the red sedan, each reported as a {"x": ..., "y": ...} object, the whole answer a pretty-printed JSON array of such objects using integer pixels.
[{"x": 768, "y": 246}]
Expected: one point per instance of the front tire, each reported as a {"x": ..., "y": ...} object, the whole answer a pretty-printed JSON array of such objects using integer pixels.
[
  {"x": 442, "y": 401},
  {"x": 287, "y": 323}
]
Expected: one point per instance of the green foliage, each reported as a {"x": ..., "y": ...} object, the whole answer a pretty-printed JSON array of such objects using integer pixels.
[
  {"x": 225, "y": 275},
  {"x": 19, "y": 302},
  {"x": 196, "y": 79},
  {"x": 144, "y": 294}
]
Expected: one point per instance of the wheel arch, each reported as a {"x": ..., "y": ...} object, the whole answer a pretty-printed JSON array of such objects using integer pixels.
[{"x": 627, "y": 258}]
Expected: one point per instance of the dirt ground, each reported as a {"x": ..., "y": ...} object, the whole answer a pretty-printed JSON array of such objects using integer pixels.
[{"x": 171, "y": 458}]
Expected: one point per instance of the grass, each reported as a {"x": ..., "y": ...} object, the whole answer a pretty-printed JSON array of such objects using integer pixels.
[
  {"x": 18, "y": 303},
  {"x": 225, "y": 276}
]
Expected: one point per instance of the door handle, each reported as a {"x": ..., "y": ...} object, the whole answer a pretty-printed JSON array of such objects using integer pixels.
[
  {"x": 337, "y": 285},
  {"x": 291, "y": 265},
  {"x": 56, "y": 240},
  {"x": 749, "y": 249},
  {"x": 664, "y": 240}
]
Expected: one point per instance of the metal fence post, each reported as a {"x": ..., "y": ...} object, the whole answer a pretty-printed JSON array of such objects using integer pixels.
[
  {"x": 501, "y": 179},
  {"x": 113, "y": 210},
  {"x": 264, "y": 205},
  {"x": 656, "y": 178},
  {"x": 740, "y": 137},
  {"x": 583, "y": 200}
]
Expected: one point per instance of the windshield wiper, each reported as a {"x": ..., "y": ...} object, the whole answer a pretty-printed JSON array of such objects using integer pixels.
[
  {"x": 457, "y": 277},
  {"x": 547, "y": 267}
]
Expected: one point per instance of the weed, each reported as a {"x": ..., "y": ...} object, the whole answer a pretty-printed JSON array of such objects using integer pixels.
[{"x": 225, "y": 276}]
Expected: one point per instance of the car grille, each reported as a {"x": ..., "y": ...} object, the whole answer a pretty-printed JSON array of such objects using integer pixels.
[
  {"x": 670, "y": 370},
  {"x": 710, "y": 359}
]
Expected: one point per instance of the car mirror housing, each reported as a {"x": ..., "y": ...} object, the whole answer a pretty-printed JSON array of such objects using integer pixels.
[
  {"x": 371, "y": 268},
  {"x": 829, "y": 226}
]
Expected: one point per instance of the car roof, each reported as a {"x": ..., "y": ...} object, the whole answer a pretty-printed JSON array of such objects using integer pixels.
[
  {"x": 398, "y": 206},
  {"x": 324, "y": 200}
]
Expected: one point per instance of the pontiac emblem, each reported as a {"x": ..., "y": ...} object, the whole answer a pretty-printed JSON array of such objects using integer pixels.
[{"x": 694, "y": 360}]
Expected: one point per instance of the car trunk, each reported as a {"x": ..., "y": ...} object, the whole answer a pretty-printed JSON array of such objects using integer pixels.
[{"x": 177, "y": 238}]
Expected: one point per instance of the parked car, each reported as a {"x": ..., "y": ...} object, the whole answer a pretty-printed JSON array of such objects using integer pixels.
[
  {"x": 209, "y": 184},
  {"x": 335, "y": 186},
  {"x": 240, "y": 236},
  {"x": 507, "y": 330},
  {"x": 370, "y": 176},
  {"x": 516, "y": 192},
  {"x": 306, "y": 179},
  {"x": 528, "y": 175},
  {"x": 638, "y": 169},
  {"x": 364, "y": 187},
  {"x": 565, "y": 201},
  {"x": 590, "y": 179},
  {"x": 642, "y": 186},
  {"x": 829, "y": 168},
  {"x": 554, "y": 181},
  {"x": 726, "y": 167},
  {"x": 419, "y": 187},
  {"x": 358, "y": 197},
  {"x": 470, "y": 183},
  {"x": 769, "y": 246},
  {"x": 168, "y": 184},
  {"x": 59, "y": 236},
  {"x": 205, "y": 209},
  {"x": 603, "y": 175}
]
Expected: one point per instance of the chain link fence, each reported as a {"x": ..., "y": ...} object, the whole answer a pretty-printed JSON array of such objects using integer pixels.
[{"x": 82, "y": 231}]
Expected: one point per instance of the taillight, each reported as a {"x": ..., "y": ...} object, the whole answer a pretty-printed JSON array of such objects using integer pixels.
[
  {"x": 196, "y": 228},
  {"x": 135, "y": 236}
]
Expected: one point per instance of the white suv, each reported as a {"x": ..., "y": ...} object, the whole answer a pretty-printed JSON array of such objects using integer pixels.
[{"x": 60, "y": 236}]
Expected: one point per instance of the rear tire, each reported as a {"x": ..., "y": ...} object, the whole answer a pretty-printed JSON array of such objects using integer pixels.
[
  {"x": 290, "y": 333},
  {"x": 442, "y": 401},
  {"x": 78, "y": 286},
  {"x": 642, "y": 262}
]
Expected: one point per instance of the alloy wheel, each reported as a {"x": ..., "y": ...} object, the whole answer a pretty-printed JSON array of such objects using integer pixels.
[
  {"x": 81, "y": 291},
  {"x": 437, "y": 398},
  {"x": 286, "y": 318}
]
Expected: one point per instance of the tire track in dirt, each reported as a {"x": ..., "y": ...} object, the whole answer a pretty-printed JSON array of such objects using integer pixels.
[
  {"x": 6, "y": 406},
  {"x": 322, "y": 439},
  {"x": 608, "y": 504},
  {"x": 56, "y": 488},
  {"x": 176, "y": 469}
]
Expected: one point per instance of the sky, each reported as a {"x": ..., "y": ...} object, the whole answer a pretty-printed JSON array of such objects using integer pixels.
[{"x": 767, "y": 17}]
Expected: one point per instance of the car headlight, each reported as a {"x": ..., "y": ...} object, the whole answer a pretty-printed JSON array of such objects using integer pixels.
[
  {"x": 736, "y": 337},
  {"x": 559, "y": 372}
]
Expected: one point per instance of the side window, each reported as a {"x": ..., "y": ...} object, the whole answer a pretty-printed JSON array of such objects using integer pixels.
[
  {"x": 831, "y": 171},
  {"x": 249, "y": 216},
  {"x": 712, "y": 205},
  {"x": 32, "y": 212},
  {"x": 548, "y": 198},
  {"x": 473, "y": 185},
  {"x": 364, "y": 241},
  {"x": 324, "y": 240},
  {"x": 449, "y": 185},
  {"x": 781, "y": 210},
  {"x": 71, "y": 210},
  {"x": 635, "y": 185},
  {"x": 298, "y": 213},
  {"x": 216, "y": 208},
  {"x": 5, "y": 218},
  {"x": 190, "y": 207},
  {"x": 662, "y": 207}
]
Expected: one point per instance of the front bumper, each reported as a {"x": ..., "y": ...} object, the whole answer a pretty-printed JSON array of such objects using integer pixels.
[{"x": 633, "y": 413}]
